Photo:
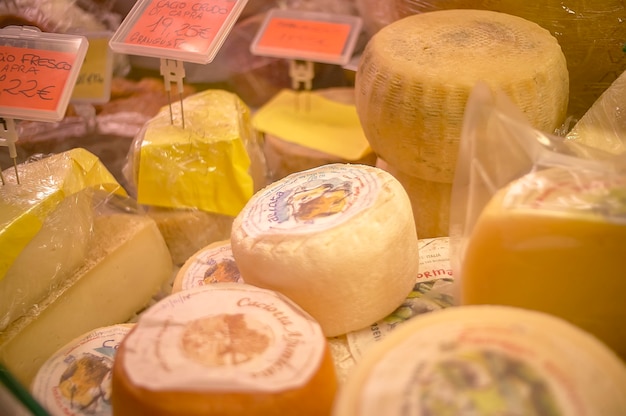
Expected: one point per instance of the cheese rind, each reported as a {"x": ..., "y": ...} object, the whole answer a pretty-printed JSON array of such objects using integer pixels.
[
  {"x": 485, "y": 360},
  {"x": 310, "y": 237},
  {"x": 224, "y": 349},
  {"x": 127, "y": 262}
]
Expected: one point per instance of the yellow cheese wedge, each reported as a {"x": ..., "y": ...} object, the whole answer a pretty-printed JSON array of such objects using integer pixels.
[
  {"x": 76, "y": 379},
  {"x": 126, "y": 263},
  {"x": 485, "y": 360},
  {"x": 45, "y": 225},
  {"x": 554, "y": 241},
  {"x": 338, "y": 239},
  {"x": 415, "y": 75},
  {"x": 224, "y": 349}
]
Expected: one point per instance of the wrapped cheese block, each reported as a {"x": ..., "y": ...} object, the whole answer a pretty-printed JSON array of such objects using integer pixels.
[
  {"x": 487, "y": 360},
  {"x": 202, "y": 168},
  {"x": 125, "y": 264},
  {"x": 48, "y": 216},
  {"x": 591, "y": 34},
  {"x": 212, "y": 264},
  {"x": 76, "y": 379},
  {"x": 555, "y": 241},
  {"x": 227, "y": 349},
  {"x": 338, "y": 239}
]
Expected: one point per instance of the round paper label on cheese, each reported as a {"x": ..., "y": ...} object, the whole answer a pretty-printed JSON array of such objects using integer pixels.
[
  {"x": 311, "y": 201},
  {"x": 214, "y": 264},
  {"x": 226, "y": 337},
  {"x": 77, "y": 379},
  {"x": 472, "y": 369}
]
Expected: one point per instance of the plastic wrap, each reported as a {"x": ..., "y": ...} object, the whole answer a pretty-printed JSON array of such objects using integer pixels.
[
  {"x": 194, "y": 180},
  {"x": 591, "y": 34},
  {"x": 535, "y": 226},
  {"x": 48, "y": 217}
]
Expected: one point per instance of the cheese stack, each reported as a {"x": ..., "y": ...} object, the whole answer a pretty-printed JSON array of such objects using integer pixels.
[
  {"x": 555, "y": 241},
  {"x": 196, "y": 172},
  {"x": 415, "y": 76},
  {"x": 487, "y": 360},
  {"x": 339, "y": 240},
  {"x": 227, "y": 349}
]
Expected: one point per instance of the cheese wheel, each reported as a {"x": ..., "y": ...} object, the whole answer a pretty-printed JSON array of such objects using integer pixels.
[
  {"x": 127, "y": 263},
  {"x": 226, "y": 349},
  {"x": 430, "y": 202},
  {"x": 485, "y": 360},
  {"x": 415, "y": 76},
  {"x": 338, "y": 239},
  {"x": 554, "y": 241},
  {"x": 212, "y": 264},
  {"x": 76, "y": 380}
]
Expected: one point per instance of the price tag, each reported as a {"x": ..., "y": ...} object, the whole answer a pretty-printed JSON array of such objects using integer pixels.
[
  {"x": 93, "y": 84},
  {"x": 307, "y": 36},
  {"x": 191, "y": 31},
  {"x": 37, "y": 72}
]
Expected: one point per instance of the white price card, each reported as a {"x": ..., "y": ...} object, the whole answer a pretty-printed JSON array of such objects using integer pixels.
[
  {"x": 307, "y": 36},
  {"x": 182, "y": 30},
  {"x": 37, "y": 72}
]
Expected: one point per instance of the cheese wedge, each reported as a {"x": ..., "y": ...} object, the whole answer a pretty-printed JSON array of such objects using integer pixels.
[
  {"x": 338, "y": 239},
  {"x": 224, "y": 349},
  {"x": 554, "y": 241},
  {"x": 126, "y": 263},
  {"x": 485, "y": 360},
  {"x": 415, "y": 75}
]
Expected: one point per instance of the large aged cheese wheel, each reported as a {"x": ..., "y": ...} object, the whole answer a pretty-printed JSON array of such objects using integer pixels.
[
  {"x": 224, "y": 349},
  {"x": 415, "y": 76},
  {"x": 485, "y": 360},
  {"x": 339, "y": 240},
  {"x": 554, "y": 241}
]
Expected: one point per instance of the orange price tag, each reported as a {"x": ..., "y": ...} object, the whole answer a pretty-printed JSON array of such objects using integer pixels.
[
  {"x": 33, "y": 79},
  {"x": 190, "y": 26},
  {"x": 305, "y": 36}
]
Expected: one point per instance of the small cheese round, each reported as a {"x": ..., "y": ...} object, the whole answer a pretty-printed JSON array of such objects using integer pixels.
[
  {"x": 76, "y": 380},
  {"x": 212, "y": 264},
  {"x": 227, "y": 349},
  {"x": 415, "y": 75},
  {"x": 338, "y": 239},
  {"x": 487, "y": 360}
]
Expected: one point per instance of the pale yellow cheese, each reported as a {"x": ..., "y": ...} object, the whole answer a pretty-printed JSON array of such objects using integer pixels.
[
  {"x": 415, "y": 75},
  {"x": 554, "y": 241},
  {"x": 338, "y": 239},
  {"x": 45, "y": 225},
  {"x": 127, "y": 262},
  {"x": 485, "y": 360}
]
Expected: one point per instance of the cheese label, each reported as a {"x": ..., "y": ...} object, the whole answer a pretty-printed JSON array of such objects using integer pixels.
[
  {"x": 214, "y": 264},
  {"x": 77, "y": 379},
  {"x": 226, "y": 337},
  {"x": 481, "y": 368},
  {"x": 311, "y": 201}
]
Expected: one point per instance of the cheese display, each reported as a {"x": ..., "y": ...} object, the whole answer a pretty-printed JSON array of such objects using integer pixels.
[
  {"x": 311, "y": 237},
  {"x": 47, "y": 216},
  {"x": 486, "y": 360},
  {"x": 555, "y": 241},
  {"x": 210, "y": 167},
  {"x": 227, "y": 349},
  {"x": 212, "y": 264},
  {"x": 125, "y": 265},
  {"x": 76, "y": 379},
  {"x": 304, "y": 130},
  {"x": 591, "y": 34},
  {"x": 411, "y": 93}
]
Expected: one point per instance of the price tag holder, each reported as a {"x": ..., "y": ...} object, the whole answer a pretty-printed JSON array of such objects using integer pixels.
[
  {"x": 37, "y": 72},
  {"x": 307, "y": 36},
  {"x": 189, "y": 31},
  {"x": 93, "y": 84}
]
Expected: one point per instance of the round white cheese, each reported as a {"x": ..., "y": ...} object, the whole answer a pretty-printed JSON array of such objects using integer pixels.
[{"x": 339, "y": 240}]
